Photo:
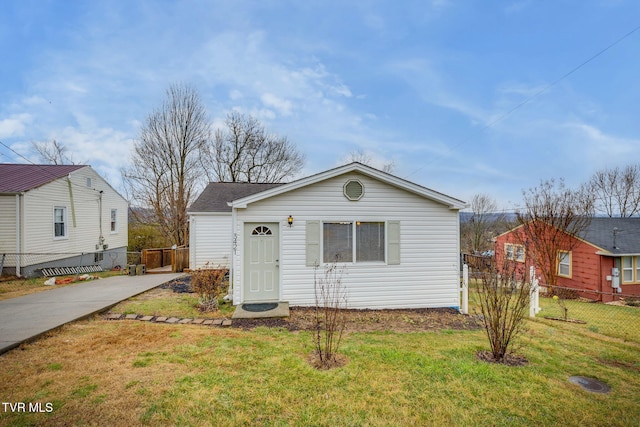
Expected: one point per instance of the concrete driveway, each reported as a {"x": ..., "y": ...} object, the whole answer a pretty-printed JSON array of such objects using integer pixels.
[{"x": 25, "y": 318}]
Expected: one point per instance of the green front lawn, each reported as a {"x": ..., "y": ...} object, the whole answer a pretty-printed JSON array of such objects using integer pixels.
[{"x": 137, "y": 373}]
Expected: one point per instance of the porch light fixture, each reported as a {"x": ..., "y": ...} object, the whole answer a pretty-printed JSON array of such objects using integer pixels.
[{"x": 290, "y": 220}]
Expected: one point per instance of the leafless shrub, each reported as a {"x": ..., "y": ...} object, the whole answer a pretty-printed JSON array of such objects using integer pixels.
[
  {"x": 209, "y": 284},
  {"x": 504, "y": 298},
  {"x": 330, "y": 314}
]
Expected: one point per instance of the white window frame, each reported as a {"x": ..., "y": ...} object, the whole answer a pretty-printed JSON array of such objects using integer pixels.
[
  {"x": 113, "y": 221},
  {"x": 354, "y": 249},
  {"x": 514, "y": 252},
  {"x": 633, "y": 269},
  {"x": 65, "y": 223},
  {"x": 565, "y": 259}
]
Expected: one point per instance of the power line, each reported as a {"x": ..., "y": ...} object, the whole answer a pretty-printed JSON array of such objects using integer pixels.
[
  {"x": 43, "y": 169},
  {"x": 535, "y": 95}
]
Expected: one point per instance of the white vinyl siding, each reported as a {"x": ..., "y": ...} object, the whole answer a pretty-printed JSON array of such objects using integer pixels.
[
  {"x": 421, "y": 240},
  {"x": 8, "y": 223},
  {"x": 210, "y": 241},
  {"x": 83, "y": 216}
]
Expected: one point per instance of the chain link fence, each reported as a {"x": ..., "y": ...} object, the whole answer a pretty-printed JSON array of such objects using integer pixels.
[
  {"x": 580, "y": 310},
  {"x": 583, "y": 310}
]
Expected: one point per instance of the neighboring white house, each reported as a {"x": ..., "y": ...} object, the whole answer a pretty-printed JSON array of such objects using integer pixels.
[
  {"x": 398, "y": 241},
  {"x": 59, "y": 216}
]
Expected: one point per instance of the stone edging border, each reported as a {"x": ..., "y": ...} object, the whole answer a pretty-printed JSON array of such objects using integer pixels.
[{"x": 169, "y": 320}]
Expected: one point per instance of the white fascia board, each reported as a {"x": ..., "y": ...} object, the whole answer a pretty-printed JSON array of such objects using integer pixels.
[
  {"x": 409, "y": 186},
  {"x": 209, "y": 213}
]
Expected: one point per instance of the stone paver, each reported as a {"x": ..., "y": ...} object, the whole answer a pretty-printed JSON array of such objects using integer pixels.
[
  {"x": 185, "y": 321},
  {"x": 131, "y": 317},
  {"x": 226, "y": 322},
  {"x": 172, "y": 320},
  {"x": 146, "y": 318},
  {"x": 161, "y": 319}
]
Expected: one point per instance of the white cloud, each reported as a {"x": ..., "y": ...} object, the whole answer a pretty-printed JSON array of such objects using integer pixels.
[{"x": 15, "y": 125}]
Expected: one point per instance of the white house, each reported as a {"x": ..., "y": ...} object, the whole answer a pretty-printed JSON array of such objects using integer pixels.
[
  {"x": 398, "y": 241},
  {"x": 59, "y": 216}
]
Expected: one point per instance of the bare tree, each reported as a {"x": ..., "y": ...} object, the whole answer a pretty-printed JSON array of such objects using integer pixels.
[
  {"x": 482, "y": 222},
  {"x": 330, "y": 314},
  {"x": 53, "y": 153},
  {"x": 553, "y": 217},
  {"x": 245, "y": 152},
  {"x": 165, "y": 167},
  {"x": 365, "y": 158},
  {"x": 616, "y": 191},
  {"x": 504, "y": 296}
]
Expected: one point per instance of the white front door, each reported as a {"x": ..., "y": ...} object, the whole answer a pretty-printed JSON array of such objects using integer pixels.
[{"x": 261, "y": 262}]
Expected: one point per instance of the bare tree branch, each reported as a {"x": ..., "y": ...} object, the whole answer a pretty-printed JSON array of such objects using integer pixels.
[
  {"x": 53, "y": 153},
  {"x": 166, "y": 170},
  {"x": 551, "y": 220},
  {"x": 616, "y": 191},
  {"x": 245, "y": 152}
]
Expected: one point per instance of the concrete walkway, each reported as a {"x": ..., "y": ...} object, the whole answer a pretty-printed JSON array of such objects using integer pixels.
[{"x": 26, "y": 318}]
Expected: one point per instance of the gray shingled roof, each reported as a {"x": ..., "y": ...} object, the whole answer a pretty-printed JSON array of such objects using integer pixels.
[
  {"x": 216, "y": 195},
  {"x": 18, "y": 178},
  {"x": 627, "y": 236}
]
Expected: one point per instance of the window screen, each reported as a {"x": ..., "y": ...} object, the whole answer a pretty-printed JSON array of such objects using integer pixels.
[
  {"x": 369, "y": 241},
  {"x": 337, "y": 241}
]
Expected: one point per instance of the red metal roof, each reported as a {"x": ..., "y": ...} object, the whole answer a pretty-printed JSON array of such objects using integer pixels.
[{"x": 18, "y": 178}]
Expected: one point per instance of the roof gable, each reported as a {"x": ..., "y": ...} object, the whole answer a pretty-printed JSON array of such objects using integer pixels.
[
  {"x": 411, "y": 187},
  {"x": 18, "y": 178}
]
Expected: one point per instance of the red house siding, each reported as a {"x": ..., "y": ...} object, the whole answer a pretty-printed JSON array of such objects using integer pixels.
[{"x": 589, "y": 270}]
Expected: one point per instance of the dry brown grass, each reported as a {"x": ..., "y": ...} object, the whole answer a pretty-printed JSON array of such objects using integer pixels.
[{"x": 97, "y": 361}]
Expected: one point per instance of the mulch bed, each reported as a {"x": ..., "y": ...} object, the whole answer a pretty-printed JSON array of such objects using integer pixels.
[{"x": 397, "y": 320}]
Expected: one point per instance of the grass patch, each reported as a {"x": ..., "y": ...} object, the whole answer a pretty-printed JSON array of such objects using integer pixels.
[
  {"x": 164, "y": 302},
  {"x": 262, "y": 377}
]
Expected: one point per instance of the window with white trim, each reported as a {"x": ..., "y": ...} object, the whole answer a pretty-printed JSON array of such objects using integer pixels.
[
  {"x": 564, "y": 264},
  {"x": 630, "y": 269},
  {"x": 114, "y": 220},
  {"x": 339, "y": 244},
  {"x": 514, "y": 252},
  {"x": 60, "y": 222}
]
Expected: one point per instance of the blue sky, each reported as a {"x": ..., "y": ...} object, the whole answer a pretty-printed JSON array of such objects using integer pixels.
[{"x": 431, "y": 85}]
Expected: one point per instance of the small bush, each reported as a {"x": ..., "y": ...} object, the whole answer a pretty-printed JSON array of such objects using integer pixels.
[{"x": 210, "y": 284}]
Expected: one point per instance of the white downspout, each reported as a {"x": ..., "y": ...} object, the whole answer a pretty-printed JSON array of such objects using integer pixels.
[{"x": 18, "y": 236}]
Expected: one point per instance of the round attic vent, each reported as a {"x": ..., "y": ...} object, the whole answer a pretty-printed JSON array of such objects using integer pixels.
[{"x": 353, "y": 190}]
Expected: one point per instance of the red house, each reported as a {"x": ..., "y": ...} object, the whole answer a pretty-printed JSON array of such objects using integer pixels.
[{"x": 604, "y": 260}]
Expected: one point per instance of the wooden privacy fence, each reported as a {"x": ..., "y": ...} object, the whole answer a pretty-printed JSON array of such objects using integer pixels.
[{"x": 177, "y": 258}]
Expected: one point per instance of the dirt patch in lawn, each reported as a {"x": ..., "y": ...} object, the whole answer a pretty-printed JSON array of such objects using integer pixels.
[{"x": 409, "y": 320}]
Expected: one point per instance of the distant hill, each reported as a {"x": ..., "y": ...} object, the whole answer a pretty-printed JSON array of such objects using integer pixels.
[{"x": 493, "y": 217}]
